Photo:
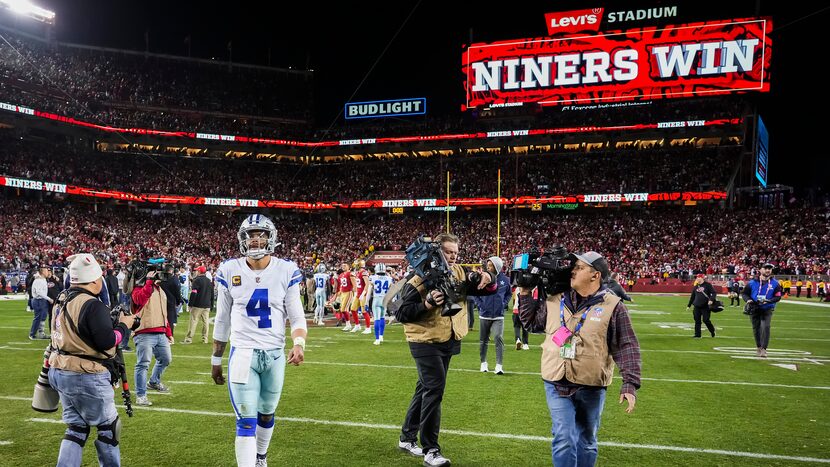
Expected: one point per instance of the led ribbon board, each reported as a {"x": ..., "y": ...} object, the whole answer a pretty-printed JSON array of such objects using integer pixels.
[{"x": 698, "y": 59}]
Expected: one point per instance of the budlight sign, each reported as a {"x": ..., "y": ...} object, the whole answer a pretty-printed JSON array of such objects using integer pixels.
[{"x": 390, "y": 108}]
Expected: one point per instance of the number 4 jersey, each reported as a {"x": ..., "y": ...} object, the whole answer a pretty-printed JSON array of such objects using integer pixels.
[{"x": 253, "y": 305}]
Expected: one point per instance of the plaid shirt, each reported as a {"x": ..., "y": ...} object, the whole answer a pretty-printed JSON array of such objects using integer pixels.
[{"x": 622, "y": 342}]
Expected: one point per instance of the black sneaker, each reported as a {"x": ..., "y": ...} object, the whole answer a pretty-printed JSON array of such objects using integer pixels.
[{"x": 160, "y": 387}]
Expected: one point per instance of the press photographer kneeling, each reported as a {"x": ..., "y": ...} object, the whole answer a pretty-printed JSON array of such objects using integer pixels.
[
  {"x": 433, "y": 309},
  {"x": 84, "y": 341}
]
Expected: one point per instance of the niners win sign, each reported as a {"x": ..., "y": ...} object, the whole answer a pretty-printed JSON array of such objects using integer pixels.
[{"x": 716, "y": 57}]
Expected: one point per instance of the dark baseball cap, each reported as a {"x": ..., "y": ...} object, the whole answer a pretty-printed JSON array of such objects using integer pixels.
[
  {"x": 767, "y": 266},
  {"x": 596, "y": 261}
]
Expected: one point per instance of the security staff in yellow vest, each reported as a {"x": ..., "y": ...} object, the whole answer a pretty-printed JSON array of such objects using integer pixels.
[
  {"x": 587, "y": 329},
  {"x": 84, "y": 340},
  {"x": 433, "y": 340}
]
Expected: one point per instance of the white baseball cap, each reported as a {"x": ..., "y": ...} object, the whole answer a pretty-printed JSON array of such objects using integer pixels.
[{"x": 83, "y": 268}]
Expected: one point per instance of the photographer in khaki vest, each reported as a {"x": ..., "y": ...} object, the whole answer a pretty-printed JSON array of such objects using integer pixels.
[
  {"x": 83, "y": 343},
  {"x": 153, "y": 337},
  {"x": 433, "y": 339},
  {"x": 587, "y": 329}
]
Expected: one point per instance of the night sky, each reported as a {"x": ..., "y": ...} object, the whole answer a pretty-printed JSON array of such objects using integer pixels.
[{"x": 386, "y": 50}]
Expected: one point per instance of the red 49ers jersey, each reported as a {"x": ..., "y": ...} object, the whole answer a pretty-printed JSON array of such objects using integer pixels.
[{"x": 345, "y": 280}]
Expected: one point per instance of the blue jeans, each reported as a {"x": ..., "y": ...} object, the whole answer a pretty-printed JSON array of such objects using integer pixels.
[
  {"x": 41, "y": 307},
  {"x": 87, "y": 400},
  {"x": 575, "y": 422},
  {"x": 159, "y": 347}
]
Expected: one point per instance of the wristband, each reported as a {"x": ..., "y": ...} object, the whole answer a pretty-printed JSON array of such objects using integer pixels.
[
  {"x": 299, "y": 341},
  {"x": 215, "y": 361}
]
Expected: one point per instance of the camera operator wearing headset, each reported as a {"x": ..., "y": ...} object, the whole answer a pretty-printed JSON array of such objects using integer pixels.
[
  {"x": 587, "y": 329},
  {"x": 433, "y": 339},
  {"x": 761, "y": 295},
  {"x": 84, "y": 340}
]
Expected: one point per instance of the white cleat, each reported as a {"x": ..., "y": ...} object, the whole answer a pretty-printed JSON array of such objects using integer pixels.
[
  {"x": 367, "y": 331},
  {"x": 376, "y": 342},
  {"x": 356, "y": 328},
  {"x": 525, "y": 347},
  {"x": 484, "y": 368},
  {"x": 380, "y": 338},
  {"x": 347, "y": 327},
  {"x": 499, "y": 369}
]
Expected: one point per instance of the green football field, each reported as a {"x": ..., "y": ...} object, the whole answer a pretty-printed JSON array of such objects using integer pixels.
[{"x": 703, "y": 402}]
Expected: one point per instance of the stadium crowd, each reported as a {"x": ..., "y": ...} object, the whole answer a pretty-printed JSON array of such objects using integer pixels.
[
  {"x": 623, "y": 171},
  {"x": 131, "y": 89},
  {"x": 638, "y": 243}
]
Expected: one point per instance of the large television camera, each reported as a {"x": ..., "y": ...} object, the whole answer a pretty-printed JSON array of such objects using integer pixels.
[
  {"x": 550, "y": 270},
  {"x": 137, "y": 271},
  {"x": 428, "y": 262}
]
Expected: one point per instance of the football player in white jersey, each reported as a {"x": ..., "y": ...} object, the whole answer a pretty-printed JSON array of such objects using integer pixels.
[
  {"x": 379, "y": 284},
  {"x": 321, "y": 281},
  {"x": 257, "y": 293}
]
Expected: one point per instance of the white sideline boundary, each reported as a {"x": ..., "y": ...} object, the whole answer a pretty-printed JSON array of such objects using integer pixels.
[{"x": 509, "y": 436}]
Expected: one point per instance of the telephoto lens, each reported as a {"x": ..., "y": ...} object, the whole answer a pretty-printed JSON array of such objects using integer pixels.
[{"x": 45, "y": 398}]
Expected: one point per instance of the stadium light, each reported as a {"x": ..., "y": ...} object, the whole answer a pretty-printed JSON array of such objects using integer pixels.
[{"x": 27, "y": 9}]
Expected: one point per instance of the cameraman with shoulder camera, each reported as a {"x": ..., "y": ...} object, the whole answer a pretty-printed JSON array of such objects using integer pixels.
[
  {"x": 761, "y": 295},
  {"x": 84, "y": 341},
  {"x": 587, "y": 329},
  {"x": 434, "y": 332},
  {"x": 153, "y": 337}
]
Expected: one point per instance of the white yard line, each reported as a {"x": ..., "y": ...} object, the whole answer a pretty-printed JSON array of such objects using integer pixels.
[
  {"x": 528, "y": 373},
  {"x": 798, "y": 302},
  {"x": 734, "y": 337},
  {"x": 45, "y": 420},
  {"x": 508, "y": 436}
]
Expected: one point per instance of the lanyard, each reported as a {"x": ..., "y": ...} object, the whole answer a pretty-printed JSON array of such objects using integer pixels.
[
  {"x": 769, "y": 286},
  {"x": 562, "y": 315}
]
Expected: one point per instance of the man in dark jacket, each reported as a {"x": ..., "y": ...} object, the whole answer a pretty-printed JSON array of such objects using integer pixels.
[
  {"x": 173, "y": 289},
  {"x": 703, "y": 295},
  {"x": 54, "y": 288},
  {"x": 491, "y": 315},
  {"x": 30, "y": 277},
  {"x": 112, "y": 287},
  {"x": 614, "y": 286},
  {"x": 201, "y": 297},
  {"x": 433, "y": 339}
]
